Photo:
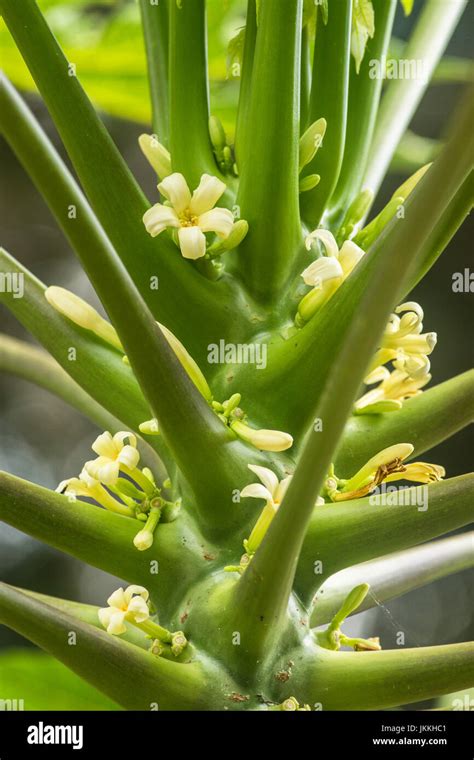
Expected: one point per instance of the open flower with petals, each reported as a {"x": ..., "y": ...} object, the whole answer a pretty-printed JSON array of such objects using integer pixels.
[
  {"x": 191, "y": 215},
  {"x": 114, "y": 453},
  {"x": 129, "y": 604},
  {"x": 272, "y": 491},
  {"x": 87, "y": 486},
  {"x": 327, "y": 273}
]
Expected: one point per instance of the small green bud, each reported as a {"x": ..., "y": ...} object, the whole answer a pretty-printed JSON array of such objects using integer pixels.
[
  {"x": 309, "y": 182},
  {"x": 217, "y": 134},
  {"x": 311, "y": 141}
]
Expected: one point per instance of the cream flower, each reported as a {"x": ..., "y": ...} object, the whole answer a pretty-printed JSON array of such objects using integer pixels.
[
  {"x": 327, "y": 273},
  {"x": 130, "y": 604},
  {"x": 192, "y": 215},
  {"x": 86, "y": 485},
  {"x": 113, "y": 453},
  {"x": 394, "y": 388},
  {"x": 270, "y": 488},
  {"x": 403, "y": 338}
]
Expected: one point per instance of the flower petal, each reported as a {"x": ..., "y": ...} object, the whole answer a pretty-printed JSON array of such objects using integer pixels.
[
  {"x": 326, "y": 238},
  {"x": 256, "y": 491},
  {"x": 138, "y": 609},
  {"x": 104, "y": 470},
  {"x": 117, "y": 599},
  {"x": 349, "y": 256},
  {"x": 206, "y": 194},
  {"x": 219, "y": 220},
  {"x": 116, "y": 624},
  {"x": 282, "y": 489},
  {"x": 134, "y": 590},
  {"x": 124, "y": 435},
  {"x": 322, "y": 270},
  {"x": 158, "y": 218},
  {"x": 104, "y": 445},
  {"x": 192, "y": 242},
  {"x": 129, "y": 457},
  {"x": 266, "y": 476},
  {"x": 176, "y": 190}
]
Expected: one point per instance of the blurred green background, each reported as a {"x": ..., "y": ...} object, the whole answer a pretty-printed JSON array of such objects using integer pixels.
[{"x": 42, "y": 440}]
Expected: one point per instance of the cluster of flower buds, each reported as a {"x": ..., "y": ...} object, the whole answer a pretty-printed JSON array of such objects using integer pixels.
[
  {"x": 222, "y": 150},
  {"x": 385, "y": 467},
  {"x": 115, "y": 482},
  {"x": 403, "y": 344},
  {"x": 132, "y": 606},
  {"x": 333, "y": 638}
]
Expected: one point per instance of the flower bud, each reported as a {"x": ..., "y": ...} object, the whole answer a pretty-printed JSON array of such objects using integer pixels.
[
  {"x": 156, "y": 154},
  {"x": 82, "y": 314}
]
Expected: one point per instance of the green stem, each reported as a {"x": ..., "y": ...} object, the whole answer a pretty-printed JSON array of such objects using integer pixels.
[
  {"x": 241, "y": 127},
  {"x": 378, "y": 680},
  {"x": 155, "y": 31},
  {"x": 364, "y": 97},
  {"x": 268, "y": 194},
  {"x": 394, "y": 574},
  {"x": 190, "y": 144},
  {"x": 305, "y": 79},
  {"x": 344, "y": 534},
  {"x": 427, "y": 44},
  {"x": 425, "y": 421},
  {"x": 329, "y": 95}
]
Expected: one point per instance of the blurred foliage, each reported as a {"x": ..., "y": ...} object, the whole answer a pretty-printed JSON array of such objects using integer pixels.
[
  {"x": 103, "y": 39},
  {"x": 43, "y": 683}
]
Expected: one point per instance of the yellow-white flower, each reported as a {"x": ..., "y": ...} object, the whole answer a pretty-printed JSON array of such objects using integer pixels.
[
  {"x": 114, "y": 453},
  {"x": 86, "y": 485},
  {"x": 270, "y": 488},
  {"x": 82, "y": 314},
  {"x": 403, "y": 339},
  {"x": 327, "y": 273},
  {"x": 129, "y": 604},
  {"x": 394, "y": 388},
  {"x": 272, "y": 491},
  {"x": 192, "y": 215}
]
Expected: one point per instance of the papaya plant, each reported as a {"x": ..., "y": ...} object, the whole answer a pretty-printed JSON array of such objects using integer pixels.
[{"x": 260, "y": 379}]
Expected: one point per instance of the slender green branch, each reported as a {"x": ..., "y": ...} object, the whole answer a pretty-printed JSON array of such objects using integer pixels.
[
  {"x": 364, "y": 98},
  {"x": 155, "y": 31},
  {"x": 394, "y": 574},
  {"x": 377, "y": 680},
  {"x": 183, "y": 298},
  {"x": 135, "y": 679},
  {"x": 32, "y": 364},
  {"x": 424, "y": 421},
  {"x": 269, "y": 197},
  {"x": 427, "y": 44},
  {"x": 105, "y": 540},
  {"x": 190, "y": 144},
  {"x": 329, "y": 96},
  {"x": 241, "y": 127},
  {"x": 344, "y": 534}
]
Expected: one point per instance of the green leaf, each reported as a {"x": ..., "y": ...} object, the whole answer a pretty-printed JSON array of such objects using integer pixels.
[
  {"x": 394, "y": 574},
  {"x": 105, "y": 540},
  {"x": 344, "y": 534},
  {"x": 363, "y": 28},
  {"x": 425, "y": 421},
  {"x": 43, "y": 683},
  {"x": 376, "y": 680},
  {"x": 135, "y": 679}
]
